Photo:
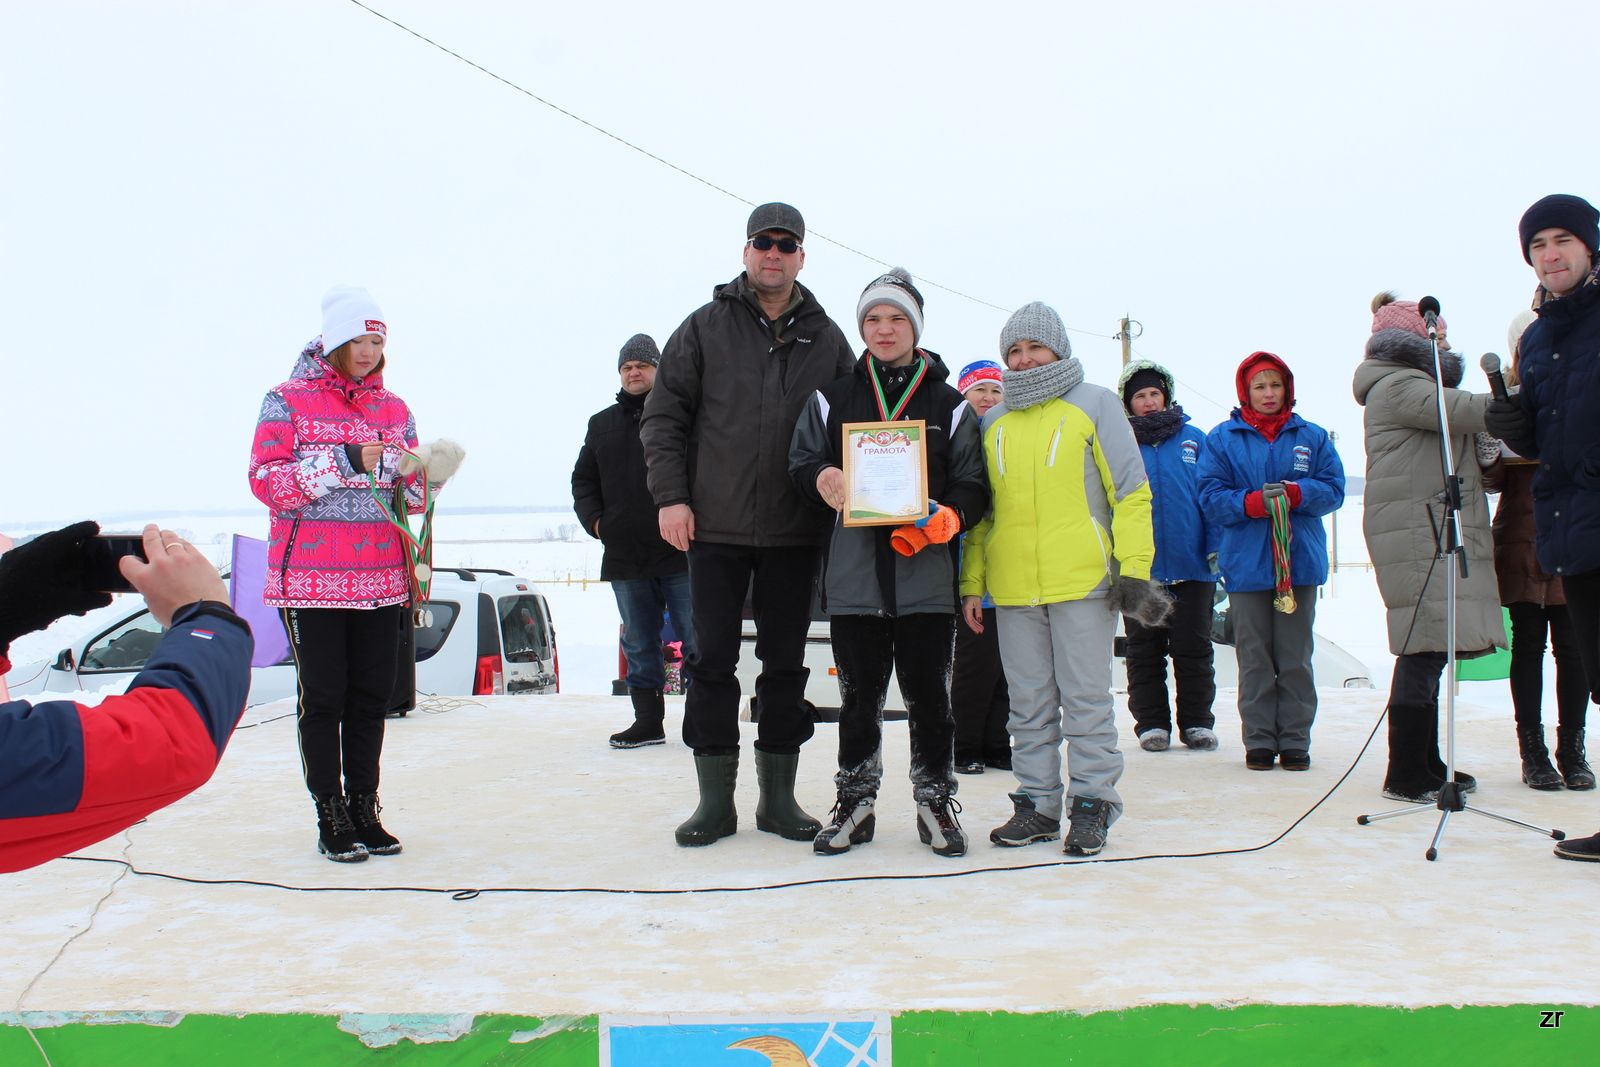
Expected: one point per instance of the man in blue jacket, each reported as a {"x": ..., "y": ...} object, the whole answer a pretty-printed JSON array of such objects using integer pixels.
[
  {"x": 71, "y": 775},
  {"x": 1552, "y": 420}
]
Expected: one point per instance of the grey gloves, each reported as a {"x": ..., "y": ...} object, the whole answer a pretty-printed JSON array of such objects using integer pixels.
[{"x": 1141, "y": 600}]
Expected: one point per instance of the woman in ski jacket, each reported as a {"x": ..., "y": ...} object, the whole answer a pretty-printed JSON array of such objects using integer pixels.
[
  {"x": 1264, "y": 452},
  {"x": 327, "y": 459},
  {"x": 1171, "y": 449}
]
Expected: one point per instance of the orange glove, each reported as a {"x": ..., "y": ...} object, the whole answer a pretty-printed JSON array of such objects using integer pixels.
[{"x": 939, "y": 527}]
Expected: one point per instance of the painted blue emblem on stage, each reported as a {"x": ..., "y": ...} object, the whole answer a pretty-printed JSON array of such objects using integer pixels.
[
  {"x": 1302, "y": 458},
  {"x": 744, "y": 1041}
]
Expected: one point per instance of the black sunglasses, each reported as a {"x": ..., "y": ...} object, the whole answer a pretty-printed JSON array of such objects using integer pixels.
[{"x": 787, "y": 245}]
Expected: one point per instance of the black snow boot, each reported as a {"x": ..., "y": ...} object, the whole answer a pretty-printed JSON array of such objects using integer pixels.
[
  {"x": 1570, "y": 758},
  {"x": 716, "y": 816},
  {"x": 649, "y": 709},
  {"x": 777, "y": 812},
  {"x": 364, "y": 810},
  {"x": 336, "y": 834},
  {"x": 1409, "y": 777},
  {"x": 938, "y": 827},
  {"x": 1537, "y": 773}
]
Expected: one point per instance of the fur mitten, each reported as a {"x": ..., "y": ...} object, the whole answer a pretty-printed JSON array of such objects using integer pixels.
[
  {"x": 1141, "y": 600},
  {"x": 440, "y": 459}
]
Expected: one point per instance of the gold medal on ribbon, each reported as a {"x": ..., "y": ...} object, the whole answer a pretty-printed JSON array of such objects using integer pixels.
[{"x": 1284, "y": 602}]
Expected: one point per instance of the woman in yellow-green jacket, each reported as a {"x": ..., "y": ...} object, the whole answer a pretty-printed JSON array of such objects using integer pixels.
[{"x": 1066, "y": 548}]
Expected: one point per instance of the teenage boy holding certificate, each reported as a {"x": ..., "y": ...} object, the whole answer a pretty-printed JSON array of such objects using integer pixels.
[{"x": 889, "y": 587}]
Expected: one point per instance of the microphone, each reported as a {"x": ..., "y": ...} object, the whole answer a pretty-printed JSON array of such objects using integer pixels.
[
  {"x": 1428, "y": 308},
  {"x": 1491, "y": 369}
]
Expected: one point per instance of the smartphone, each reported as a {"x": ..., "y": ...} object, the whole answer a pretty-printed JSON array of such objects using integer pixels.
[{"x": 100, "y": 556}]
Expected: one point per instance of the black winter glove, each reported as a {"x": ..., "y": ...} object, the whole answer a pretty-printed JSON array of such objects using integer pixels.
[
  {"x": 1507, "y": 421},
  {"x": 43, "y": 580},
  {"x": 1141, "y": 600}
]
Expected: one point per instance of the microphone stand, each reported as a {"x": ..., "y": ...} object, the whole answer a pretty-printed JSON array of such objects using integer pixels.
[{"x": 1452, "y": 549}]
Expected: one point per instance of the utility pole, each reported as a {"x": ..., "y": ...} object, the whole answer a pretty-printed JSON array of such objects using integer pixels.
[{"x": 1126, "y": 335}]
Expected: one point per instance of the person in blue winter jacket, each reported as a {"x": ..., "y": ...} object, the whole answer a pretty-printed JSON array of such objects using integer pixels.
[
  {"x": 1171, "y": 448},
  {"x": 1264, "y": 454},
  {"x": 71, "y": 774}
]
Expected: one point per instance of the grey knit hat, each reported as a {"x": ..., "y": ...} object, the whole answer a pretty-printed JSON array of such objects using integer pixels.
[
  {"x": 1035, "y": 322},
  {"x": 642, "y": 347},
  {"x": 896, "y": 290},
  {"x": 776, "y": 216}
]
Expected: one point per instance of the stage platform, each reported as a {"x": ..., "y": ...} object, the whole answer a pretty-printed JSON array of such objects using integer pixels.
[{"x": 542, "y": 913}]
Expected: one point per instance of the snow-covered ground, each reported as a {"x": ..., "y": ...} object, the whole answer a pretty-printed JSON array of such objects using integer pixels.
[{"x": 594, "y": 909}]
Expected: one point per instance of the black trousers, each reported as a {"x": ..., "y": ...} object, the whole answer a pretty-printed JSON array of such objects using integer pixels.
[
  {"x": 1529, "y": 625},
  {"x": 781, "y": 583},
  {"x": 978, "y": 694},
  {"x": 918, "y": 648},
  {"x": 1187, "y": 639},
  {"x": 345, "y": 662},
  {"x": 1583, "y": 609}
]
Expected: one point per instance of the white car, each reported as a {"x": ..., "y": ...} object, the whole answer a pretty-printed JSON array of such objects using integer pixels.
[
  {"x": 487, "y": 632},
  {"x": 1332, "y": 665}
]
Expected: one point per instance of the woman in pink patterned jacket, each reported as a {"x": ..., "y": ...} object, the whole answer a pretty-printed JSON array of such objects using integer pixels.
[{"x": 337, "y": 567}]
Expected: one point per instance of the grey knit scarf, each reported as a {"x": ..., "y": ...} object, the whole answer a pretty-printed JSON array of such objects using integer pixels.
[{"x": 1026, "y": 388}]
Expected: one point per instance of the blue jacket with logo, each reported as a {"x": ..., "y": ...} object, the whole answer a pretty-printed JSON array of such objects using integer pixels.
[
  {"x": 1183, "y": 536},
  {"x": 1237, "y": 460}
]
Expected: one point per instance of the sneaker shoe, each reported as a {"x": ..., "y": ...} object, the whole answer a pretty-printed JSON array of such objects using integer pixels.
[
  {"x": 1199, "y": 738},
  {"x": 1295, "y": 760},
  {"x": 937, "y": 826},
  {"x": 1584, "y": 848},
  {"x": 639, "y": 735},
  {"x": 1026, "y": 825},
  {"x": 1260, "y": 759},
  {"x": 969, "y": 766},
  {"x": 364, "y": 808},
  {"x": 336, "y": 834},
  {"x": 851, "y": 822},
  {"x": 1086, "y": 834},
  {"x": 1155, "y": 740}
]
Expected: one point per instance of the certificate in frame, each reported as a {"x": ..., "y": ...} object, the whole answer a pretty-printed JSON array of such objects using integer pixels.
[{"x": 885, "y": 472}]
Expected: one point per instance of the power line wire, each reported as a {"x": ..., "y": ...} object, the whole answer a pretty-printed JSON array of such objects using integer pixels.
[{"x": 673, "y": 166}]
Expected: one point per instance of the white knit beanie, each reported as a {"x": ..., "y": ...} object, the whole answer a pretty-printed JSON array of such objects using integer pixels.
[{"x": 347, "y": 313}]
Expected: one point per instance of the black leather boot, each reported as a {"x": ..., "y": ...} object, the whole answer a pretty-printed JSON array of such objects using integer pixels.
[
  {"x": 777, "y": 812},
  {"x": 1409, "y": 776},
  {"x": 716, "y": 816},
  {"x": 649, "y": 709},
  {"x": 1537, "y": 773},
  {"x": 364, "y": 810},
  {"x": 1570, "y": 758},
  {"x": 336, "y": 834}
]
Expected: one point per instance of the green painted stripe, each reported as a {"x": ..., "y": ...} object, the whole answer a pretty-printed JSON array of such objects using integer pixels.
[{"x": 1193, "y": 1036}]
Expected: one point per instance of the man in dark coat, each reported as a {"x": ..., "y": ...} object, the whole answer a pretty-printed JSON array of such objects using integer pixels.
[
  {"x": 716, "y": 435},
  {"x": 647, "y": 575},
  {"x": 1552, "y": 420}
]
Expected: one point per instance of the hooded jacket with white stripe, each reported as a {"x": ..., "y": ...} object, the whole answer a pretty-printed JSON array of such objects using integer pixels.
[{"x": 862, "y": 574}]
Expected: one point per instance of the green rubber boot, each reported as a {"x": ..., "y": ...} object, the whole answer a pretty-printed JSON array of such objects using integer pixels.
[
  {"x": 777, "y": 812},
  {"x": 716, "y": 817}
]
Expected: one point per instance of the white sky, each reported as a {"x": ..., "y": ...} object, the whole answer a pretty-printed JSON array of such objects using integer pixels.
[{"x": 182, "y": 181}]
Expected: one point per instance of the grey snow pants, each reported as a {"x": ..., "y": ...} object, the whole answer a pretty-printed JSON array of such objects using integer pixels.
[
  {"x": 1057, "y": 660},
  {"x": 1277, "y": 692}
]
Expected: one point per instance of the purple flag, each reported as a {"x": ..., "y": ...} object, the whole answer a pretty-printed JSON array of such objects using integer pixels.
[{"x": 246, "y": 589}]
